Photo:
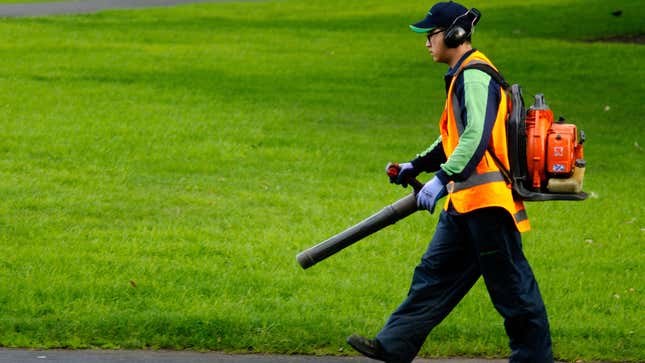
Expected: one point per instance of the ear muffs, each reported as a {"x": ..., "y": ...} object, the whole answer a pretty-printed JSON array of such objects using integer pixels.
[
  {"x": 455, "y": 36},
  {"x": 462, "y": 28}
]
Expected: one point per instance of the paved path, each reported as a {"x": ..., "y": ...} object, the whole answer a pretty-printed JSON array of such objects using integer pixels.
[
  {"x": 90, "y": 6},
  {"x": 139, "y": 356}
]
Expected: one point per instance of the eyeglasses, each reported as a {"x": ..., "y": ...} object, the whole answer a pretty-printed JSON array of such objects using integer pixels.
[{"x": 431, "y": 34}]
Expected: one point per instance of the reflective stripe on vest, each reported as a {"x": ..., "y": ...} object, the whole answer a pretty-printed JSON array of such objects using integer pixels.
[
  {"x": 521, "y": 216},
  {"x": 474, "y": 180}
]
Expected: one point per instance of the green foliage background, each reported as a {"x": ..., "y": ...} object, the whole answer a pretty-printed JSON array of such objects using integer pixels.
[{"x": 160, "y": 169}]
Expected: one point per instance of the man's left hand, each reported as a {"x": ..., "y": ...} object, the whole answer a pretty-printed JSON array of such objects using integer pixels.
[{"x": 431, "y": 192}]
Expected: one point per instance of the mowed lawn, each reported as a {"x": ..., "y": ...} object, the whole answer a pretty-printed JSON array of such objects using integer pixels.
[{"x": 160, "y": 169}]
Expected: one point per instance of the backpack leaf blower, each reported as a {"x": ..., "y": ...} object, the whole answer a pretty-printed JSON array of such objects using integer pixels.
[
  {"x": 554, "y": 156},
  {"x": 546, "y": 163},
  {"x": 546, "y": 158}
]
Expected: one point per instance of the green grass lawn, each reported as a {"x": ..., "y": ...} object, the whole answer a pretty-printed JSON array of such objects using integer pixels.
[{"x": 160, "y": 169}]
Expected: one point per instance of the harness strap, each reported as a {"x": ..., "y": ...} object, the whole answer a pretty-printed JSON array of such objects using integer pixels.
[
  {"x": 494, "y": 74},
  {"x": 507, "y": 173},
  {"x": 486, "y": 68}
]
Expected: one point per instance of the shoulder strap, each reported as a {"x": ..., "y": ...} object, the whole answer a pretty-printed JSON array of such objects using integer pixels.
[
  {"x": 505, "y": 172},
  {"x": 490, "y": 71},
  {"x": 486, "y": 68}
]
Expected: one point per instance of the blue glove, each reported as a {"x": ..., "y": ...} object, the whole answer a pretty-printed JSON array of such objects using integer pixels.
[
  {"x": 431, "y": 192},
  {"x": 406, "y": 172}
]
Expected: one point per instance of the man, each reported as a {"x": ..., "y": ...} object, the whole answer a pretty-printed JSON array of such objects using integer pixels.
[{"x": 478, "y": 233}]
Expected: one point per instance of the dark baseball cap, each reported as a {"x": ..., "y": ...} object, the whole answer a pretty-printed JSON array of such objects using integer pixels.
[{"x": 441, "y": 15}]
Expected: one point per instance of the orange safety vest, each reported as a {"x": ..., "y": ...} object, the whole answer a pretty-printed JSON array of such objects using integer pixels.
[{"x": 486, "y": 186}]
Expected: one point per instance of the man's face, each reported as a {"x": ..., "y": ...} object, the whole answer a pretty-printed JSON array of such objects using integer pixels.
[{"x": 436, "y": 45}]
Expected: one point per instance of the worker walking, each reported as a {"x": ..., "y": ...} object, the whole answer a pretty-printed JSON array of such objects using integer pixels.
[{"x": 478, "y": 233}]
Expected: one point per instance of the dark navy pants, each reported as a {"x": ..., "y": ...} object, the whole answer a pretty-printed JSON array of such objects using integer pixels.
[{"x": 464, "y": 247}]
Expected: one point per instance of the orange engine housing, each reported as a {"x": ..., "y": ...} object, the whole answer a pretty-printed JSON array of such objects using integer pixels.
[
  {"x": 560, "y": 150},
  {"x": 551, "y": 148},
  {"x": 539, "y": 119}
]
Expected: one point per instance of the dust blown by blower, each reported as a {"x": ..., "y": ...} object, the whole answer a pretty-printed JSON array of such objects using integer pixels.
[{"x": 546, "y": 160}]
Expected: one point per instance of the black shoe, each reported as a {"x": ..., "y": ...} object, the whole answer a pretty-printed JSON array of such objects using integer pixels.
[{"x": 368, "y": 347}]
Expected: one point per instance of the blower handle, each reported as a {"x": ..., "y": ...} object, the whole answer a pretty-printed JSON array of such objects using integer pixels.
[{"x": 393, "y": 170}]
